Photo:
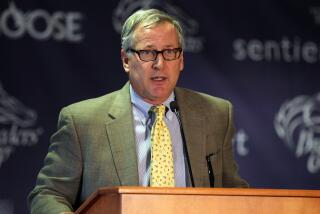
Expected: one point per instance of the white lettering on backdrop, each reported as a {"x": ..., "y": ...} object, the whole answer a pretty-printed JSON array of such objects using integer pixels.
[{"x": 39, "y": 24}]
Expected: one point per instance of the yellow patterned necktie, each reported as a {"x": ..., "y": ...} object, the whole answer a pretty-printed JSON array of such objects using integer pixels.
[{"x": 162, "y": 167}]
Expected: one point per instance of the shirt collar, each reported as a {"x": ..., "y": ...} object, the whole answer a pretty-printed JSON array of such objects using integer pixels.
[{"x": 144, "y": 107}]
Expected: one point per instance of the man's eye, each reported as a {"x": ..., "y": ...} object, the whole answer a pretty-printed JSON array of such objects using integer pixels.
[
  {"x": 170, "y": 51},
  {"x": 146, "y": 52}
]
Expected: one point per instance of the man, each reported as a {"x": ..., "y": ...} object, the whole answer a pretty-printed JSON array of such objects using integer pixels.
[{"x": 106, "y": 141}]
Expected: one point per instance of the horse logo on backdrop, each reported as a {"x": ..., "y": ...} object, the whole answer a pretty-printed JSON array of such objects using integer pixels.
[
  {"x": 298, "y": 124},
  {"x": 16, "y": 125},
  {"x": 190, "y": 26}
]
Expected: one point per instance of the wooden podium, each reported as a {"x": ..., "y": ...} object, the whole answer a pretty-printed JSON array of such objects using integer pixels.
[{"x": 147, "y": 200}]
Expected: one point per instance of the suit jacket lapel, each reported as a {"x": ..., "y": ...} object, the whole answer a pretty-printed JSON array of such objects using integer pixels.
[
  {"x": 120, "y": 131},
  {"x": 193, "y": 125}
]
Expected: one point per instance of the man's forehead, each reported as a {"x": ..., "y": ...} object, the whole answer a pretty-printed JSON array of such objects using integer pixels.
[
  {"x": 151, "y": 42},
  {"x": 147, "y": 25},
  {"x": 143, "y": 30}
]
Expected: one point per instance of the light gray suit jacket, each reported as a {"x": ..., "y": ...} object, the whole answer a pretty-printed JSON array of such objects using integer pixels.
[{"x": 95, "y": 147}]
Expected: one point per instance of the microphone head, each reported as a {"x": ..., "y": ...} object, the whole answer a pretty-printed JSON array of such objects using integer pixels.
[{"x": 174, "y": 106}]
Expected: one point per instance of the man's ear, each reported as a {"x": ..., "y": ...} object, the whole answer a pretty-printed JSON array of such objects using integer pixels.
[
  {"x": 181, "y": 62},
  {"x": 125, "y": 60}
]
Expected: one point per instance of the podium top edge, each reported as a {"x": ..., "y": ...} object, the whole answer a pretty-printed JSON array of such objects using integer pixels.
[{"x": 209, "y": 191}]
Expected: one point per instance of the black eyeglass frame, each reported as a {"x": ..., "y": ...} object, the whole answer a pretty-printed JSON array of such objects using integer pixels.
[{"x": 156, "y": 53}]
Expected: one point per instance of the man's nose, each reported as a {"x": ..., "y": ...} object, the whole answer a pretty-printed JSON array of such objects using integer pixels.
[{"x": 158, "y": 62}]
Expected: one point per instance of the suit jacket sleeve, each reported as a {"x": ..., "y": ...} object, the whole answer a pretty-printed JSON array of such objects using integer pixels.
[{"x": 58, "y": 181}]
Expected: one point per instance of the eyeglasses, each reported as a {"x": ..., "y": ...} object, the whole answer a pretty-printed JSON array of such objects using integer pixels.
[{"x": 151, "y": 55}]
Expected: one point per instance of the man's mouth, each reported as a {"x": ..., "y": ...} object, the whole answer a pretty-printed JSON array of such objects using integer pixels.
[{"x": 158, "y": 78}]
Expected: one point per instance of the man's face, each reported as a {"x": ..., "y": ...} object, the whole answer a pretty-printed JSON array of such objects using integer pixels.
[{"x": 154, "y": 80}]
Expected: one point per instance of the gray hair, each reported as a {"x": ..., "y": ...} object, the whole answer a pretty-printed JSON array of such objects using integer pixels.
[{"x": 147, "y": 18}]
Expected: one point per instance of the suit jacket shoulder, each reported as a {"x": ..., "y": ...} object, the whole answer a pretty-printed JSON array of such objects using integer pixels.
[
  {"x": 201, "y": 100},
  {"x": 100, "y": 103},
  {"x": 207, "y": 107}
]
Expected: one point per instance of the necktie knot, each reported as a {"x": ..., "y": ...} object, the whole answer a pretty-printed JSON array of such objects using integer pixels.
[{"x": 159, "y": 111}]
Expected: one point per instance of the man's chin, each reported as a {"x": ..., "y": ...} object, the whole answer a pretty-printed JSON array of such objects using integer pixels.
[{"x": 157, "y": 99}]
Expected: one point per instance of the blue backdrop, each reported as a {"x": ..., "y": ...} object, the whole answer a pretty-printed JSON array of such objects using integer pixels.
[{"x": 263, "y": 56}]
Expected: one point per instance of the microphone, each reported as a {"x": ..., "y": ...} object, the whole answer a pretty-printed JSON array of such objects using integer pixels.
[
  {"x": 210, "y": 171},
  {"x": 175, "y": 108}
]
